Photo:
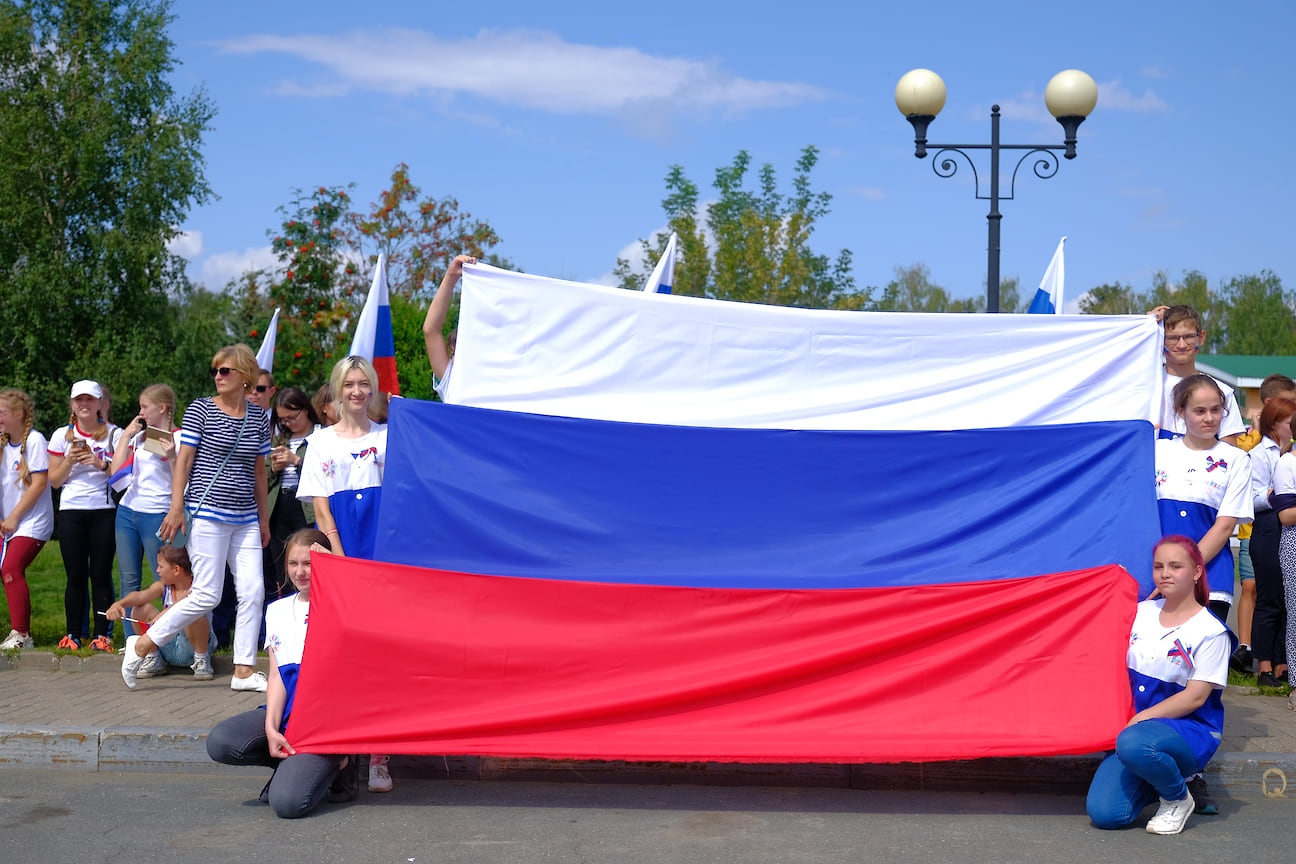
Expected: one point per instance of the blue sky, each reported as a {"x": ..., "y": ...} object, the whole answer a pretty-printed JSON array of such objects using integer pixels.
[{"x": 558, "y": 123}]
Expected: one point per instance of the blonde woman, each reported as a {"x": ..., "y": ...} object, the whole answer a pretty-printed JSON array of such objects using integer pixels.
[
  {"x": 220, "y": 481},
  {"x": 80, "y": 455},
  {"x": 146, "y": 478},
  {"x": 26, "y": 507},
  {"x": 343, "y": 476}
]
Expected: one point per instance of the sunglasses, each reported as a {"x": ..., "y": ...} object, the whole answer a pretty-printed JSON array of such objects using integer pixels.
[
  {"x": 261, "y": 388},
  {"x": 221, "y": 372}
]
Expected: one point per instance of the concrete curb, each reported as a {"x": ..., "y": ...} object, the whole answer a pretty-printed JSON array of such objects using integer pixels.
[
  {"x": 48, "y": 661},
  {"x": 183, "y": 750},
  {"x": 116, "y": 748}
]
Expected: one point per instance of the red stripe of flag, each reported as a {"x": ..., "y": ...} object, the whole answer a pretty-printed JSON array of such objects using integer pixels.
[{"x": 486, "y": 665}]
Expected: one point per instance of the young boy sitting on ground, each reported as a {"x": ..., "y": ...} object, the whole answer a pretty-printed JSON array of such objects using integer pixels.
[{"x": 175, "y": 579}]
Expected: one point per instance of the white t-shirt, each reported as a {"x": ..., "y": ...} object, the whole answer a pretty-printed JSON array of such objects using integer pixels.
[
  {"x": 1196, "y": 487},
  {"x": 286, "y": 628},
  {"x": 86, "y": 488},
  {"x": 150, "y": 478},
  {"x": 1284, "y": 475},
  {"x": 290, "y": 477},
  {"x": 441, "y": 385},
  {"x": 336, "y": 464},
  {"x": 38, "y": 522},
  {"x": 1173, "y": 426},
  {"x": 1264, "y": 461}
]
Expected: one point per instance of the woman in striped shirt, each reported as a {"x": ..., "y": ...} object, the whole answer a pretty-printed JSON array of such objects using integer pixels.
[{"x": 220, "y": 479}]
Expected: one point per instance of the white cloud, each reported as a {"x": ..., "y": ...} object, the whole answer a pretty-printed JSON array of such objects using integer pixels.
[
  {"x": 531, "y": 69},
  {"x": 1155, "y": 72},
  {"x": 186, "y": 244},
  {"x": 871, "y": 193},
  {"x": 1113, "y": 95},
  {"x": 634, "y": 253},
  {"x": 219, "y": 269}
]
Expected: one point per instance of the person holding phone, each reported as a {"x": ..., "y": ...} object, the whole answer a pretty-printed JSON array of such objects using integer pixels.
[
  {"x": 80, "y": 455},
  {"x": 146, "y": 478},
  {"x": 294, "y": 420}
]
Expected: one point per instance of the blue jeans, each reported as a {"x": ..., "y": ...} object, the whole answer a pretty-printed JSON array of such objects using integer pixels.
[
  {"x": 136, "y": 538},
  {"x": 178, "y": 652},
  {"x": 1151, "y": 761}
]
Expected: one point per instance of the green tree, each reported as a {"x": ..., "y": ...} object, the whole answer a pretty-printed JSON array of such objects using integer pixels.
[
  {"x": 1112, "y": 299},
  {"x": 419, "y": 236},
  {"x": 759, "y": 249},
  {"x": 913, "y": 291},
  {"x": 100, "y": 160},
  {"x": 1258, "y": 316},
  {"x": 315, "y": 288}
]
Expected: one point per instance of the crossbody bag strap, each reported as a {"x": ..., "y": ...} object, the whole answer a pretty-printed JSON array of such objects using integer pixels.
[{"x": 228, "y": 456}]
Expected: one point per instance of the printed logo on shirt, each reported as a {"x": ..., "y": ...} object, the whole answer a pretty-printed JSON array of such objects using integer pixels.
[
  {"x": 328, "y": 467},
  {"x": 1162, "y": 477},
  {"x": 1180, "y": 655},
  {"x": 370, "y": 451},
  {"x": 1212, "y": 464}
]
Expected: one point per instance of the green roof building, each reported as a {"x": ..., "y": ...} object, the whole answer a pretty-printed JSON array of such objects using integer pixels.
[{"x": 1244, "y": 374}]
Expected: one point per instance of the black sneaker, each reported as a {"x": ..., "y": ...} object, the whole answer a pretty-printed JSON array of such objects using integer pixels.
[
  {"x": 1241, "y": 660},
  {"x": 1266, "y": 679},
  {"x": 1202, "y": 800},
  {"x": 346, "y": 784}
]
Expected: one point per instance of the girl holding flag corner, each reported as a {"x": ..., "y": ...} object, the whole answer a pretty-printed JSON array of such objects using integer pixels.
[
  {"x": 342, "y": 475},
  {"x": 1178, "y": 665},
  {"x": 440, "y": 351}
]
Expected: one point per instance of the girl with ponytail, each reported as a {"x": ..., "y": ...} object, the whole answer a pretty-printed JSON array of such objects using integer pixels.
[{"x": 25, "y": 502}]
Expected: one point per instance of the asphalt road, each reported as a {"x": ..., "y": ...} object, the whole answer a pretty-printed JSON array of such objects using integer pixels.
[{"x": 50, "y": 816}]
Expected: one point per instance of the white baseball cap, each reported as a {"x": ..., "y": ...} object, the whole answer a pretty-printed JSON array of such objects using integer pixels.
[{"x": 86, "y": 388}]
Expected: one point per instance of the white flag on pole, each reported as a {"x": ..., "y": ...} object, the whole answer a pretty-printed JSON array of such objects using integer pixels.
[
  {"x": 265, "y": 355},
  {"x": 663, "y": 275}
]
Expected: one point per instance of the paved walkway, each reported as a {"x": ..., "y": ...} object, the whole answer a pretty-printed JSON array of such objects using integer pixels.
[{"x": 77, "y": 713}]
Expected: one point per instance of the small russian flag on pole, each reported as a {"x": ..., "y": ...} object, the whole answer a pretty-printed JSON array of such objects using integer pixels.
[
  {"x": 1048, "y": 299},
  {"x": 373, "y": 337},
  {"x": 663, "y": 275}
]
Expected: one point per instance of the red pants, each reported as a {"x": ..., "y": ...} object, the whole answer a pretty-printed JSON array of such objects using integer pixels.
[{"x": 20, "y": 552}]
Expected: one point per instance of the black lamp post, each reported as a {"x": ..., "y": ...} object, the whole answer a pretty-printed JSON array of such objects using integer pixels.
[{"x": 1070, "y": 96}]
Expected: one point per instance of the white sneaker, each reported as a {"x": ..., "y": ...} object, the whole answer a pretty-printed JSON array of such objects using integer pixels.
[
  {"x": 131, "y": 663},
  {"x": 379, "y": 777},
  {"x": 202, "y": 669},
  {"x": 16, "y": 640},
  {"x": 1171, "y": 816},
  {"x": 256, "y": 681},
  {"x": 152, "y": 667}
]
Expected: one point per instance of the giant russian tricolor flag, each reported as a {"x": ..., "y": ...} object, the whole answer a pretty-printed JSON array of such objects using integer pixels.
[
  {"x": 373, "y": 337},
  {"x": 818, "y": 563}
]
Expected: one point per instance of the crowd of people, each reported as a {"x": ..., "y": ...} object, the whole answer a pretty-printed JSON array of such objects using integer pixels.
[
  {"x": 227, "y": 507},
  {"x": 223, "y": 508}
]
